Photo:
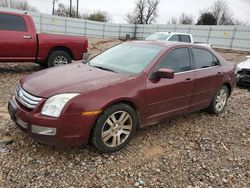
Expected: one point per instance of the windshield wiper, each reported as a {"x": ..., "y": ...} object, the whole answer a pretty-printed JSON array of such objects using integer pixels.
[{"x": 103, "y": 68}]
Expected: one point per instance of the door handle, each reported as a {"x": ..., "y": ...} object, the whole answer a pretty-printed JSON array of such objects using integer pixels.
[
  {"x": 27, "y": 37},
  {"x": 188, "y": 80}
]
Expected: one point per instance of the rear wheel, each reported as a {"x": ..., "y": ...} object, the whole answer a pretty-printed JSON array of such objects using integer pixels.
[
  {"x": 59, "y": 58},
  {"x": 114, "y": 128},
  {"x": 219, "y": 101}
]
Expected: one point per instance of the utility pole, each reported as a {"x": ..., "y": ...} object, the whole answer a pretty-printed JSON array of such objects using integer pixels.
[
  {"x": 77, "y": 8},
  {"x": 53, "y": 11},
  {"x": 70, "y": 8}
]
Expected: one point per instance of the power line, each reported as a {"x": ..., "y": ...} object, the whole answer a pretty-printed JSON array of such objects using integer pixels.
[{"x": 236, "y": 5}]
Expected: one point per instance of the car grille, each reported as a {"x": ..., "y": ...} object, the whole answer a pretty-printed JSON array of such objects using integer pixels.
[
  {"x": 246, "y": 72},
  {"x": 26, "y": 99}
]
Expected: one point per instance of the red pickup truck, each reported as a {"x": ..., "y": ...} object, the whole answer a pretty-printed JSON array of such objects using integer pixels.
[{"x": 19, "y": 42}]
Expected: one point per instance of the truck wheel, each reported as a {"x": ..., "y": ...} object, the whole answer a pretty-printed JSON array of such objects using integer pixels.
[
  {"x": 219, "y": 101},
  {"x": 114, "y": 128},
  {"x": 59, "y": 58}
]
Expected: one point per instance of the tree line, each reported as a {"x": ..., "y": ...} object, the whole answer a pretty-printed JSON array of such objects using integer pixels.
[{"x": 145, "y": 12}]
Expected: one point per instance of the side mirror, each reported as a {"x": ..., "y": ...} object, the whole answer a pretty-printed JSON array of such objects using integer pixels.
[
  {"x": 85, "y": 58},
  {"x": 165, "y": 73}
]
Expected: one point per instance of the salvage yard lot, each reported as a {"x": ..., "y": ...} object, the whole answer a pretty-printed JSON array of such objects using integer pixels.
[{"x": 199, "y": 149}]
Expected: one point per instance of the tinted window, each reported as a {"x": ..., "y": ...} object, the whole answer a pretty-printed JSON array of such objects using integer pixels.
[
  {"x": 12, "y": 22},
  {"x": 174, "y": 38},
  {"x": 177, "y": 60},
  {"x": 185, "y": 38},
  {"x": 204, "y": 58}
]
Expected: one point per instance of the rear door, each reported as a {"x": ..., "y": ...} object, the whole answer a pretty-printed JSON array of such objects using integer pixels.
[
  {"x": 209, "y": 77},
  {"x": 168, "y": 97},
  {"x": 17, "y": 41}
]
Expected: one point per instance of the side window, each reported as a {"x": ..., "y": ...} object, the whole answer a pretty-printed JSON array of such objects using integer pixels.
[
  {"x": 204, "y": 58},
  {"x": 177, "y": 60},
  {"x": 12, "y": 23},
  {"x": 174, "y": 38},
  {"x": 185, "y": 38}
]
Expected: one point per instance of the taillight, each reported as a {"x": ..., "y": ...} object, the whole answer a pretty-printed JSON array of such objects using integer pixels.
[{"x": 86, "y": 44}]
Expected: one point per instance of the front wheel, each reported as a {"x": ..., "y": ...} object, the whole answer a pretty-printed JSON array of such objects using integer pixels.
[
  {"x": 59, "y": 58},
  {"x": 114, "y": 128},
  {"x": 219, "y": 101}
]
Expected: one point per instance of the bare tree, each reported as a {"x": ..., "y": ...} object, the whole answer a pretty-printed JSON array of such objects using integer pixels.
[
  {"x": 222, "y": 13},
  {"x": 21, "y": 5},
  {"x": 186, "y": 19},
  {"x": 145, "y": 12}
]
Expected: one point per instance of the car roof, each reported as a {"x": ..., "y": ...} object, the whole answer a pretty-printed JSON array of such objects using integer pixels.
[
  {"x": 14, "y": 13},
  {"x": 168, "y": 33}
]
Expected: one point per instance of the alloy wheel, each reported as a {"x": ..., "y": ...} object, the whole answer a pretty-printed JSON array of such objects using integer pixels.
[
  {"x": 60, "y": 60},
  {"x": 221, "y": 99},
  {"x": 117, "y": 129}
]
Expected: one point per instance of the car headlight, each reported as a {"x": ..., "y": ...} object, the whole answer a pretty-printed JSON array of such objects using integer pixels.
[
  {"x": 54, "y": 105},
  {"x": 238, "y": 69}
]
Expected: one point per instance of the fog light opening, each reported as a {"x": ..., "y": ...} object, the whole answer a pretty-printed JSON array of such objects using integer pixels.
[{"x": 43, "y": 130}]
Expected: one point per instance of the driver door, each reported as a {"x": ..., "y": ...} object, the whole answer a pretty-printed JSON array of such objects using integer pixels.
[{"x": 169, "y": 97}]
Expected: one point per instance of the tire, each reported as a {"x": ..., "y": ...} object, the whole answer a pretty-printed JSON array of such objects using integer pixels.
[
  {"x": 219, "y": 101},
  {"x": 110, "y": 133},
  {"x": 59, "y": 58}
]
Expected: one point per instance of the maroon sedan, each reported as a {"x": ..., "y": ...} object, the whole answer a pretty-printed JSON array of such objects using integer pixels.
[{"x": 127, "y": 87}]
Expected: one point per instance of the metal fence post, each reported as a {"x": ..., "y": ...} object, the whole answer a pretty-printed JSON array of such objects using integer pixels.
[
  {"x": 120, "y": 28},
  {"x": 209, "y": 34},
  {"x": 103, "y": 31},
  {"x": 135, "y": 30},
  {"x": 233, "y": 37},
  {"x": 85, "y": 27},
  {"x": 157, "y": 28},
  {"x": 66, "y": 26},
  {"x": 41, "y": 23},
  {"x": 142, "y": 33}
]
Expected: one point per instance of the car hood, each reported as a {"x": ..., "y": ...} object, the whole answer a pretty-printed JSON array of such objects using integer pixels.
[
  {"x": 244, "y": 64},
  {"x": 73, "y": 78}
]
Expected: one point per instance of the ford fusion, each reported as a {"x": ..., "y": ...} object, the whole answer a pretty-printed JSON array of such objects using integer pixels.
[{"x": 127, "y": 87}]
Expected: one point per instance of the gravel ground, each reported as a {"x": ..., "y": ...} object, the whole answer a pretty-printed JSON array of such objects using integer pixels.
[{"x": 197, "y": 150}]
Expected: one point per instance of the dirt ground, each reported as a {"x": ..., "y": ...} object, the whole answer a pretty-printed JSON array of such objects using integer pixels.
[{"x": 197, "y": 150}]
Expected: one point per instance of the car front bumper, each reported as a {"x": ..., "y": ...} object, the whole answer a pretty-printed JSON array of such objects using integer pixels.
[
  {"x": 67, "y": 130},
  {"x": 243, "y": 77}
]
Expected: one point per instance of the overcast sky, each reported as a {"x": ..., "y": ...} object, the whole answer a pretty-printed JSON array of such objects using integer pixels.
[{"x": 167, "y": 8}]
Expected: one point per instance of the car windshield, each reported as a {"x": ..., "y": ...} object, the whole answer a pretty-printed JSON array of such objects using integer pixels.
[
  {"x": 157, "y": 36},
  {"x": 126, "y": 58}
]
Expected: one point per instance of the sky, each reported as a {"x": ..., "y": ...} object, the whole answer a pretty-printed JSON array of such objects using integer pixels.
[{"x": 118, "y": 9}]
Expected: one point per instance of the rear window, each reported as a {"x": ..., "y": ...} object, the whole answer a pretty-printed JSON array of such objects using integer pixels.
[
  {"x": 174, "y": 38},
  {"x": 185, "y": 38},
  {"x": 12, "y": 23}
]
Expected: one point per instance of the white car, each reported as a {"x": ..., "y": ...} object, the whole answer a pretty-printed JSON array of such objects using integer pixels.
[
  {"x": 170, "y": 36},
  {"x": 243, "y": 72}
]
